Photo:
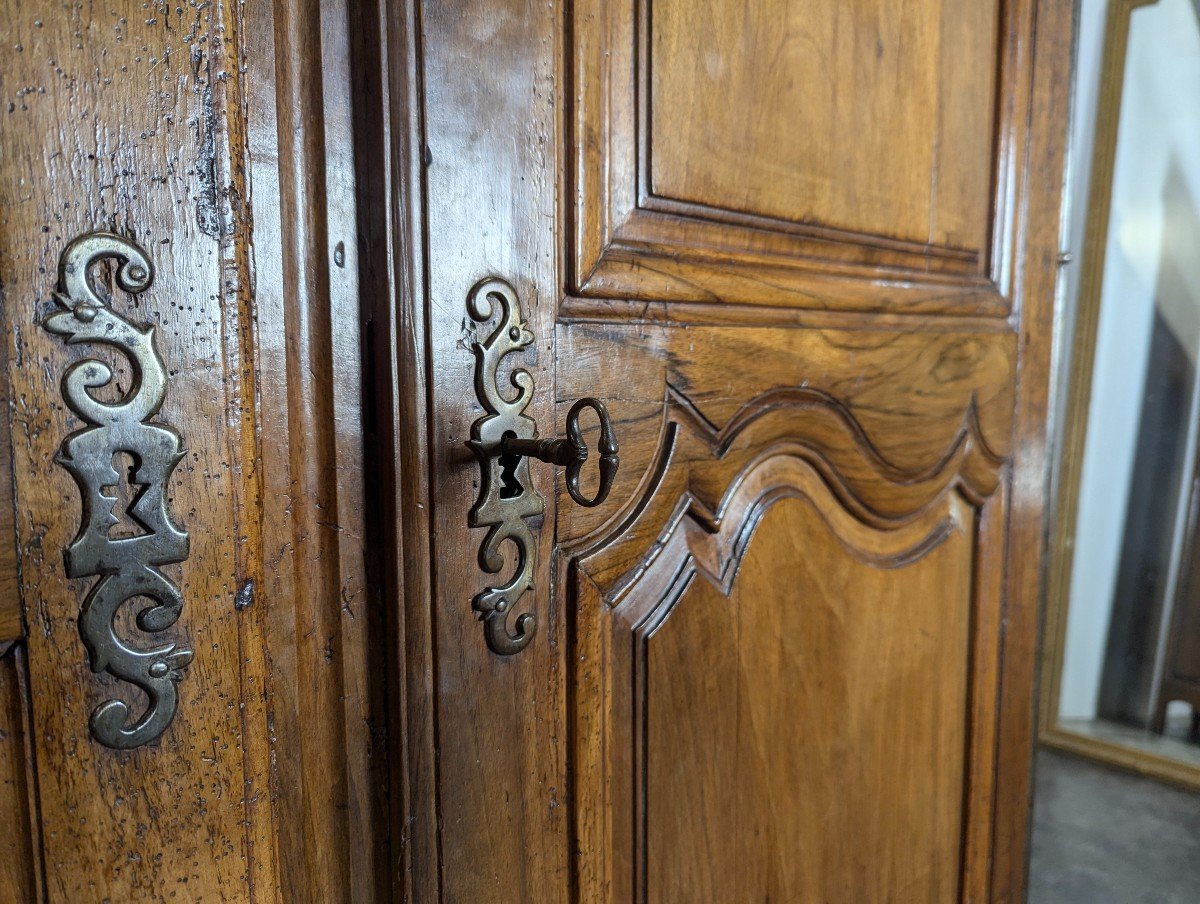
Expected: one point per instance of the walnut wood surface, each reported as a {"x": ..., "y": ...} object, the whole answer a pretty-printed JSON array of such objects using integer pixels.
[
  {"x": 890, "y": 99},
  {"x": 218, "y": 136},
  {"x": 10, "y": 600},
  {"x": 711, "y": 153},
  {"x": 873, "y": 534},
  {"x": 829, "y": 403},
  {"x": 847, "y": 399},
  {"x": 21, "y": 868}
]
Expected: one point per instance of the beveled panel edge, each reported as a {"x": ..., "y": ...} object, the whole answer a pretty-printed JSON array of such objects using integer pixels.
[
  {"x": 917, "y": 253},
  {"x": 804, "y": 422},
  {"x": 575, "y": 309},
  {"x": 654, "y": 273},
  {"x": 611, "y": 214},
  {"x": 709, "y": 538}
]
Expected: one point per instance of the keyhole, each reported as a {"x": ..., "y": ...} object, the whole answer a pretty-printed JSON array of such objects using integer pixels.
[
  {"x": 125, "y": 495},
  {"x": 510, "y": 487}
]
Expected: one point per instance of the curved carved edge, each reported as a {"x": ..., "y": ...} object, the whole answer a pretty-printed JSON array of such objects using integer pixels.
[
  {"x": 127, "y": 567},
  {"x": 505, "y": 515},
  {"x": 611, "y": 625},
  {"x": 698, "y": 467}
]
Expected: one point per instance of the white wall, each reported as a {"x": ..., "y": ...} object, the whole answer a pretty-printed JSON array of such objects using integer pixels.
[{"x": 1160, "y": 125}]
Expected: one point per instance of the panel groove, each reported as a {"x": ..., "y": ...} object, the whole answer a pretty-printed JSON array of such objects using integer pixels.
[
  {"x": 623, "y": 221},
  {"x": 784, "y": 445}
]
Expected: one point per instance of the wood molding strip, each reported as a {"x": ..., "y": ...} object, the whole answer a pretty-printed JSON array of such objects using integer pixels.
[
  {"x": 11, "y": 620},
  {"x": 327, "y": 795}
]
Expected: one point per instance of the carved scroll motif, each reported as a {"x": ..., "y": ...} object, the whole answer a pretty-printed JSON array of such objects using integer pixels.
[
  {"x": 505, "y": 500},
  {"x": 128, "y": 567}
]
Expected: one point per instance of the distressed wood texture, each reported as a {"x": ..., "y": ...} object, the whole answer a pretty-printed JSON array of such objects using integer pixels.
[
  {"x": 10, "y": 600},
  {"x": 218, "y": 136},
  {"x": 21, "y": 868},
  {"x": 807, "y": 255}
]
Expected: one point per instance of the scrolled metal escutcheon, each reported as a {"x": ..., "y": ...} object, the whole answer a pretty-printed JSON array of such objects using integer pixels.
[
  {"x": 503, "y": 505},
  {"x": 128, "y": 568},
  {"x": 504, "y": 440}
]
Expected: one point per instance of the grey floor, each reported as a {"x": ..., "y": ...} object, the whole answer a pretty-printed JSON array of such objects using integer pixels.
[{"x": 1102, "y": 836}]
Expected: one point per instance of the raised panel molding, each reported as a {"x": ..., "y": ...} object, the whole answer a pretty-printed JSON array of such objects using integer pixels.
[
  {"x": 694, "y": 517},
  {"x": 630, "y": 244}
]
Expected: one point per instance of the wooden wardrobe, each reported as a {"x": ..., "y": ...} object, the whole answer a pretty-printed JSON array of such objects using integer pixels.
[{"x": 295, "y": 296}]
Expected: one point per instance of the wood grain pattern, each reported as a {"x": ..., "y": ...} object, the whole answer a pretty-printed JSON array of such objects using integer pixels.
[
  {"x": 389, "y": 159},
  {"x": 910, "y": 377},
  {"x": 862, "y": 379},
  {"x": 143, "y": 165},
  {"x": 490, "y": 117},
  {"x": 217, "y": 135},
  {"x": 11, "y": 622},
  {"x": 326, "y": 707},
  {"x": 1035, "y": 261},
  {"x": 682, "y": 194},
  {"x": 896, "y": 100},
  {"x": 842, "y": 786},
  {"x": 682, "y": 542},
  {"x": 21, "y": 868}
]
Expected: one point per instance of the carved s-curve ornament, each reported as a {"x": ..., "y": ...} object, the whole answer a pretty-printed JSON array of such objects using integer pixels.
[{"x": 128, "y": 568}]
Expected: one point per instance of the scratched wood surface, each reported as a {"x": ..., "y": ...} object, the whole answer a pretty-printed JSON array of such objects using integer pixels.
[
  {"x": 10, "y": 600},
  {"x": 202, "y": 131}
]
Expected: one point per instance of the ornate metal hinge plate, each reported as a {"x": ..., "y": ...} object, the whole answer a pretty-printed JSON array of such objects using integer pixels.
[
  {"x": 506, "y": 500},
  {"x": 127, "y": 567}
]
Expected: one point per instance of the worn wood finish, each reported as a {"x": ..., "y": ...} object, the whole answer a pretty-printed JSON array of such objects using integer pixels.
[
  {"x": 219, "y": 137},
  {"x": 10, "y": 601},
  {"x": 1037, "y": 263},
  {"x": 890, "y": 78},
  {"x": 21, "y": 868},
  {"x": 852, "y": 408},
  {"x": 815, "y": 759},
  {"x": 804, "y": 635},
  {"x": 831, "y": 401}
]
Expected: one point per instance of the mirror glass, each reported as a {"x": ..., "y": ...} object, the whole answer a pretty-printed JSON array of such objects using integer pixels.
[
  {"x": 1123, "y": 625},
  {"x": 1120, "y": 682}
]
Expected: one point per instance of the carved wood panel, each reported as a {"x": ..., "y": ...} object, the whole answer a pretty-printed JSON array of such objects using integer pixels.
[
  {"x": 783, "y": 648},
  {"x": 540, "y": 144},
  {"x": 816, "y": 155}
]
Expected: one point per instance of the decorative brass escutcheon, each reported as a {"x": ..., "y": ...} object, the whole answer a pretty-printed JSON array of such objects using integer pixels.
[
  {"x": 504, "y": 440},
  {"x": 127, "y": 567}
]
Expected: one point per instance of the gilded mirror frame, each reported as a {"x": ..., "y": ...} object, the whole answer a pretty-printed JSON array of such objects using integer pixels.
[{"x": 1075, "y": 405}]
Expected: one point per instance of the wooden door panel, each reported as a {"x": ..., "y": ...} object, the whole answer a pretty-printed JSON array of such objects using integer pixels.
[
  {"x": 783, "y": 649},
  {"x": 763, "y": 153},
  {"x": 805, "y": 253},
  {"x": 812, "y": 742},
  {"x": 885, "y": 381},
  {"x": 873, "y": 94}
]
